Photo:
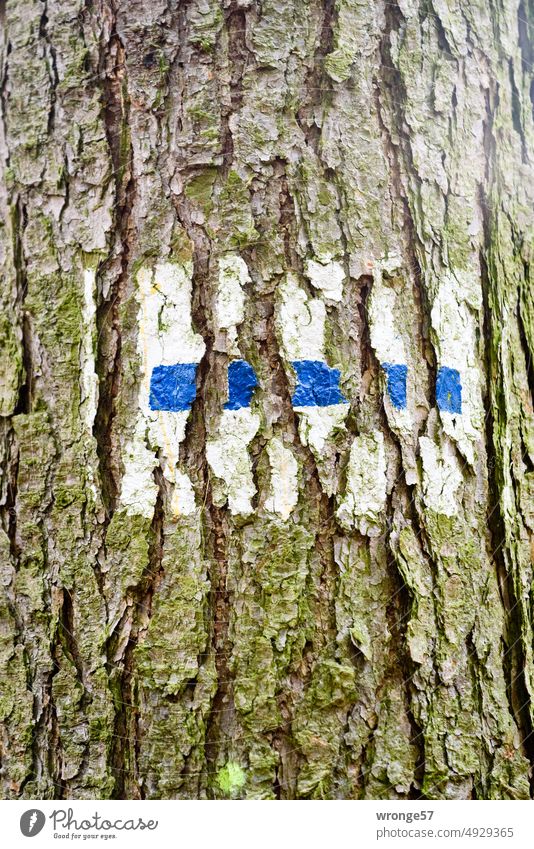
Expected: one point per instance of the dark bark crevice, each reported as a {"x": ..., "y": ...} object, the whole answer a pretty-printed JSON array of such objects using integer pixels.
[
  {"x": 393, "y": 85},
  {"x": 513, "y": 656},
  {"x": 8, "y": 492},
  {"x": 524, "y": 28},
  {"x": 193, "y": 450},
  {"x": 444, "y": 43},
  {"x": 527, "y": 351},
  {"x": 55, "y": 749},
  {"x": 517, "y": 113},
  {"x": 52, "y": 65},
  {"x": 235, "y": 19},
  {"x": 220, "y": 603},
  {"x": 27, "y": 386},
  {"x": 67, "y": 637},
  {"x": 124, "y": 750},
  {"x": 318, "y": 81},
  {"x": 117, "y": 265}
]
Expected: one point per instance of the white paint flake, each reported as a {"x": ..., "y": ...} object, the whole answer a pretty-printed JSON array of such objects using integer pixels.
[
  {"x": 89, "y": 377},
  {"x": 317, "y": 424},
  {"x": 385, "y": 321},
  {"x": 166, "y": 337},
  {"x": 365, "y": 496},
  {"x": 441, "y": 476},
  {"x": 230, "y": 461},
  {"x": 300, "y": 321},
  {"x": 227, "y": 452},
  {"x": 89, "y": 388},
  {"x": 328, "y": 278},
  {"x": 454, "y": 319},
  {"x": 230, "y": 300},
  {"x": 138, "y": 488},
  {"x": 386, "y": 337},
  {"x": 183, "y": 496},
  {"x": 284, "y": 492},
  {"x": 166, "y": 334},
  {"x": 301, "y": 326}
]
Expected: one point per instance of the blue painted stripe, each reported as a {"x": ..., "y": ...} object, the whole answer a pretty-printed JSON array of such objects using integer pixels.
[
  {"x": 317, "y": 384},
  {"x": 242, "y": 381},
  {"x": 173, "y": 387},
  {"x": 449, "y": 390},
  {"x": 396, "y": 374}
]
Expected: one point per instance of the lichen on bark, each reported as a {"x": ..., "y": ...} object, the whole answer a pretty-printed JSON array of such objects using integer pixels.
[{"x": 332, "y": 601}]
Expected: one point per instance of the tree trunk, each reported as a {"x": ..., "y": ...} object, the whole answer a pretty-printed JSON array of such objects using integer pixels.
[{"x": 267, "y": 399}]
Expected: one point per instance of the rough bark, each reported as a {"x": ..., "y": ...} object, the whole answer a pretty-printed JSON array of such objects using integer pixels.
[{"x": 218, "y": 605}]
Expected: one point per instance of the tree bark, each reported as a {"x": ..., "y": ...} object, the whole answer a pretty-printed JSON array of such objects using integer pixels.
[{"x": 283, "y": 598}]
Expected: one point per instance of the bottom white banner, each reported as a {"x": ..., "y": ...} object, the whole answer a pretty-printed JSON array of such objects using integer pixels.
[{"x": 257, "y": 824}]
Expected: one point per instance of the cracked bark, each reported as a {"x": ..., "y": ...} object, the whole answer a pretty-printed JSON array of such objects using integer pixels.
[{"x": 211, "y": 654}]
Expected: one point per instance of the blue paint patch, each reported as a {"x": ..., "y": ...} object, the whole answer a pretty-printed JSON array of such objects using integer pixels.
[
  {"x": 449, "y": 390},
  {"x": 317, "y": 384},
  {"x": 242, "y": 382},
  {"x": 396, "y": 376},
  {"x": 173, "y": 387}
]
